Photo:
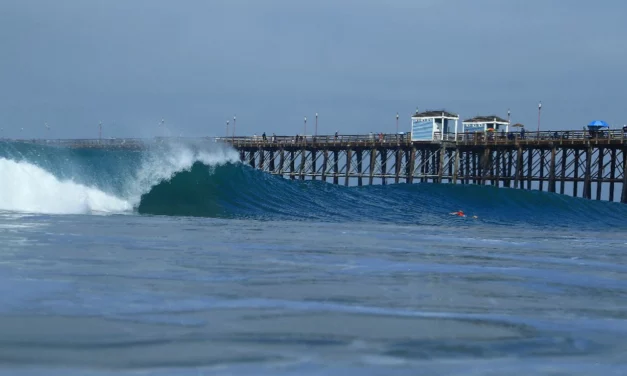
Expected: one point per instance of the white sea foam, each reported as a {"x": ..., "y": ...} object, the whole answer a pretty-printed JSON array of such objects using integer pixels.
[{"x": 25, "y": 187}]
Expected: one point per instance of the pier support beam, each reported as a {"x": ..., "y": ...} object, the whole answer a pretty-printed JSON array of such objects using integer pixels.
[
  {"x": 292, "y": 167},
  {"x": 440, "y": 163},
  {"x": 325, "y": 164},
  {"x": 542, "y": 165},
  {"x": 563, "y": 171},
  {"x": 466, "y": 179},
  {"x": 359, "y": 167},
  {"x": 397, "y": 166},
  {"x": 384, "y": 169},
  {"x": 510, "y": 160},
  {"x": 314, "y": 171},
  {"x": 271, "y": 167},
  {"x": 456, "y": 166},
  {"x": 623, "y": 197},
  {"x": 612, "y": 173},
  {"x": 262, "y": 159},
  {"x": 412, "y": 165},
  {"x": 529, "y": 168},
  {"x": 336, "y": 170},
  {"x": 587, "y": 185},
  {"x": 301, "y": 168},
  {"x": 576, "y": 173},
  {"x": 349, "y": 157},
  {"x": 600, "y": 172},
  {"x": 373, "y": 163},
  {"x": 251, "y": 159},
  {"x": 552, "y": 171},
  {"x": 485, "y": 165},
  {"x": 281, "y": 162}
]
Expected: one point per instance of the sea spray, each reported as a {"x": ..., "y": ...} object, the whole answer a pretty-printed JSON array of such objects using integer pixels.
[{"x": 29, "y": 188}]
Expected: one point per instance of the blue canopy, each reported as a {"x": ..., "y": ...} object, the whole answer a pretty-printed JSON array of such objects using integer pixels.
[{"x": 598, "y": 123}]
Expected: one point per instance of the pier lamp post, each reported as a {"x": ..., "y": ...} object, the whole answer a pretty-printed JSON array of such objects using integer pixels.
[
  {"x": 227, "y": 128},
  {"x": 316, "y": 132},
  {"x": 397, "y": 123},
  {"x": 99, "y": 131},
  {"x": 234, "y": 126},
  {"x": 305, "y": 130},
  {"x": 508, "y": 119},
  {"x": 539, "y": 113}
]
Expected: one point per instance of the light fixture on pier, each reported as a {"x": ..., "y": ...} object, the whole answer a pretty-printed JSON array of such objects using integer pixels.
[
  {"x": 397, "y": 123},
  {"x": 539, "y": 113},
  {"x": 316, "y": 133},
  {"x": 305, "y": 130}
]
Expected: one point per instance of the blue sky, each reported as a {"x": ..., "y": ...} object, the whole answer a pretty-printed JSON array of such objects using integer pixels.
[{"x": 130, "y": 63}]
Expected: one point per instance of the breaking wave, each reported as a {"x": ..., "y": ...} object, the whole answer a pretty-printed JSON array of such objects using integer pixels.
[{"x": 208, "y": 181}]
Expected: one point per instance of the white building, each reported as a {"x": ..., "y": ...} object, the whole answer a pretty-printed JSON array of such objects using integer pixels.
[
  {"x": 433, "y": 125},
  {"x": 483, "y": 123}
]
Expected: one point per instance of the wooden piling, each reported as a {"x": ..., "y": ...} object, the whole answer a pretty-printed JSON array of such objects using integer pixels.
[
  {"x": 349, "y": 157},
  {"x": 599, "y": 172},
  {"x": 325, "y": 164},
  {"x": 552, "y": 171},
  {"x": 313, "y": 164},
  {"x": 384, "y": 156},
  {"x": 612, "y": 173},
  {"x": 373, "y": 163},
  {"x": 564, "y": 155},
  {"x": 336, "y": 168},
  {"x": 303, "y": 159},
  {"x": 587, "y": 186},
  {"x": 576, "y": 173},
  {"x": 623, "y": 197},
  {"x": 412, "y": 166},
  {"x": 397, "y": 166},
  {"x": 359, "y": 167}
]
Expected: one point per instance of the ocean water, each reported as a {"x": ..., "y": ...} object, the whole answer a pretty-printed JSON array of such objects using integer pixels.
[{"x": 179, "y": 260}]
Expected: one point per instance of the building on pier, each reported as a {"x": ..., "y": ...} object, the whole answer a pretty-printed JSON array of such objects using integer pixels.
[
  {"x": 485, "y": 123},
  {"x": 433, "y": 125}
]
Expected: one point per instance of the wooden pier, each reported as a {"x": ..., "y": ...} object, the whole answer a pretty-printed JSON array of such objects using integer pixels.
[
  {"x": 566, "y": 162},
  {"x": 575, "y": 163}
]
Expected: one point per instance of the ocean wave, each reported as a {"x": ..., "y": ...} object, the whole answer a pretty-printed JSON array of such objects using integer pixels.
[{"x": 209, "y": 181}]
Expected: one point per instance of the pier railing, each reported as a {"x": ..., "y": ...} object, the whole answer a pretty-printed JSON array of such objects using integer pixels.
[
  {"x": 473, "y": 138},
  {"x": 567, "y": 137}
]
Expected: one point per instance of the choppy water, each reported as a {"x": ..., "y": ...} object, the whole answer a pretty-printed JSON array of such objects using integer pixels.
[{"x": 182, "y": 261}]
